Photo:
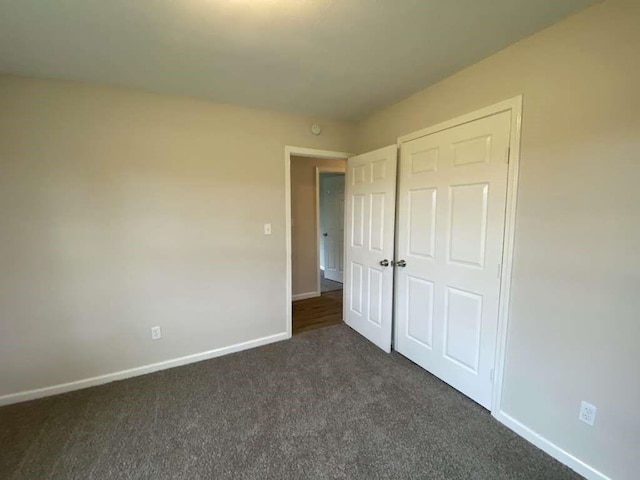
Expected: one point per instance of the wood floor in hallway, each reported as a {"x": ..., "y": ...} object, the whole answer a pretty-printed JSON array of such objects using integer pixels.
[{"x": 317, "y": 312}]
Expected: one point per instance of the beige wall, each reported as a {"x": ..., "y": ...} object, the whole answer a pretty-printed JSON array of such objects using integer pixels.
[
  {"x": 304, "y": 240},
  {"x": 575, "y": 311},
  {"x": 122, "y": 210}
]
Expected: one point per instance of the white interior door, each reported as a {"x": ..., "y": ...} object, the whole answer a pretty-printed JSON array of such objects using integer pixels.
[
  {"x": 369, "y": 224},
  {"x": 452, "y": 196},
  {"x": 332, "y": 224}
]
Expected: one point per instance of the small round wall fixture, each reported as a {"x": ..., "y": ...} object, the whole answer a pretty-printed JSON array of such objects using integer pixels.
[{"x": 316, "y": 129}]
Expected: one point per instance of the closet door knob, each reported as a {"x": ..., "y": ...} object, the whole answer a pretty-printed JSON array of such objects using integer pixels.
[
  {"x": 401, "y": 263},
  {"x": 384, "y": 263}
]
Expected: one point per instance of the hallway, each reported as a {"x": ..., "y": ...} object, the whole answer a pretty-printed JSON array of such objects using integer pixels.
[{"x": 317, "y": 312}]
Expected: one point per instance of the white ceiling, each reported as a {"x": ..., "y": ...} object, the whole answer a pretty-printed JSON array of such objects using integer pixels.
[{"x": 339, "y": 59}]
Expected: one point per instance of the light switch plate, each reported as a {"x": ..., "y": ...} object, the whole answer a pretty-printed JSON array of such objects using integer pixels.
[
  {"x": 267, "y": 229},
  {"x": 156, "y": 333}
]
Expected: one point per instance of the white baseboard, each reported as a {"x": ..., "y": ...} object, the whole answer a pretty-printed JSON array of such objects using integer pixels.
[
  {"x": 551, "y": 448},
  {"x": 134, "y": 372},
  {"x": 304, "y": 296}
]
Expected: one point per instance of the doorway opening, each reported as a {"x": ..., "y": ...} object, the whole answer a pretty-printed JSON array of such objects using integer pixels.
[{"x": 315, "y": 238}]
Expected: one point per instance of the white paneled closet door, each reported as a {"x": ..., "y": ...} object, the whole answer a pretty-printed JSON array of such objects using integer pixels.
[
  {"x": 370, "y": 196},
  {"x": 451, "y": 216}
]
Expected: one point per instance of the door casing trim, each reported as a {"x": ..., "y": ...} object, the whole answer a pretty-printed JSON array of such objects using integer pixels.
[{"x": 290, "y": 151}]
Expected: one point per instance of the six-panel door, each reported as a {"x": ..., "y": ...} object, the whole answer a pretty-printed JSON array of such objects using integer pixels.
[
  {"x": 332, "y": 219},
  {"x": 370, "y": 195},
  {"x": 451, "y": 212}
]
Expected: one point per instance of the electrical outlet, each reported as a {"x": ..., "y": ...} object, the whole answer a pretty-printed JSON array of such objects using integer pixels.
[
  {"x": 587, "y": 413},
  {"x": 156, "y": 333}
]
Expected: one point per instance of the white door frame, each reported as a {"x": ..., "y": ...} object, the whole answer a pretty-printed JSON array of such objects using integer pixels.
[
  {"x": 320, "y": 170},
  {"x": 515, "y": 106},
  {"x": 290, "y": 151}
]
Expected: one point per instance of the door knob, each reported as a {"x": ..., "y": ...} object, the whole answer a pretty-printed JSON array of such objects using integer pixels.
[
  {"x": 384, "y": 263},
  {"x": 325, "y": 234},
  {"x": 401, "y": 263}
]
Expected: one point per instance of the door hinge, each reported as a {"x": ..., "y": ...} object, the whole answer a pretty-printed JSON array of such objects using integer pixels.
[
  {"x": 508, "y": 155},
  {"x": 491, "y": 374}
]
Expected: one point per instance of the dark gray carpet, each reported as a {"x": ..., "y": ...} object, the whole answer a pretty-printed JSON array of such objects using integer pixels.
[
  {"x": 327, "y": 285},
  {"x": 326, "y": 404}
]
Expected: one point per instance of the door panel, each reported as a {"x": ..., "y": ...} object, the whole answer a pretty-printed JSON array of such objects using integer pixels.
[
  {"x": 370, "y": 220},
  {"x": 463, "y": 318},
  {"x": 355, "y": 291},
  {"x": 421, "y": 207},
  {"x": 357, "y": 216},
  {"x": 420, "y": 302},
  {"x": 468, "y": 224},
  {"x": 376, "y": 283},
  {"x": 451, "y": 208},
  {"x": 376, "y": 226}
]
